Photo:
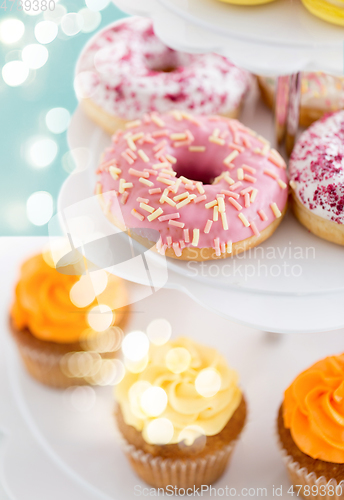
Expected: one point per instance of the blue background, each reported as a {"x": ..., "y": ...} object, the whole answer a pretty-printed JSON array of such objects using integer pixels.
[{"x": 23, "y": 110}]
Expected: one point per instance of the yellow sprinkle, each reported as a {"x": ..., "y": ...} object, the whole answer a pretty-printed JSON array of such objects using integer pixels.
[
  {"x": 229, "y": 179},
  {"x": 146, "y": 181},
  {"x": 281, "y": 183},
  {"x": 216, "y": 140},
  {"x": 137, "y": 136},
  {"x": 177, "y": 115},
  {"x": 158, "y": 121},
  {"x": 143, "y": 155},
  {"x": 200, "y": 188},
  {"x": 216, "y": 132},
  {"x": 211, "y": 204},
  {"x": 243, "y": 219},
  {"x": 155, "y": 214},
  {"x": 195, "y": 238},
  {"x": 216, "y": 213},
  {"x": 184, "y": 202},
  {"x": 127, "y": 185},
  {"x": 168, "y": 201},
  {"x": 178, "y": 137},
  {"x": 169, "y": 182},
  {"x": 231, "y": 157},
  {"x": 229, "y": 247},
  {"x": 121, "y": 188},
  {"x": 98, "y": 188},
  {"x": 293, "y": 184},
  {"x": 197, "y": 149},
  {"x": 265, "y": 150},
  {"x": 169, "y": 172},
  {"x": 253, "y": 195},
  {"x": 181, "y": 196},
  {"x": 240, "y": 174},
  {"x": 157, "y": 166},
  {"x": 131, "y": 143},
  {"x": 113, "y": 173},
  {"x": 275, "y": 210},
  {"x": 146, "y": 207},
  {"x": 221, "y": 204},
  {"x": 224, "y": 221},
  {"x": 171, "y": 158},
  {"x": 133, "y": 124}
]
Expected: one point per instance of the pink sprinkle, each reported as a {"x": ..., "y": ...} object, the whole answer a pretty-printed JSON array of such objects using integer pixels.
[
  {"x": 234, "y": 131},
  {"x": 146, "y": 118},
  {"x": 220, "y": 195},
  {"x": 127, "y": 158},
  {"x": 235, "y": 203},
  {"x": 169, "y": 241},
  {"x": 162, "y": 218},
  {"x": 124, "y": 197},
  {"x": 151, "y": 171},
  {"x": 271, "y": 174},
  {"x": 182, "y": 244},
  {"x": 137, "y": 214},
  {"x": 247, "y": 200},
  {"x": 138, "y": 173},
  {"x": 236, "y": 146},
  {"x": 177, "y": 249},
  {"x": 158, "y": 155},
  {"x": 223, "y": 247},
  {"x": 142, "y": 200},
  {"x": 163, "y": 249},
  {"x": 176, "y": 223},
  {"x": 230, "y": 193},
  {"x": 107, "y": 164},
  {"x": 224, "y": 134},
  {"x": 165, "y": 176},
  {"x": 131, "y": 153},
  {"x": 159, "y": 244},
  {"x": 249, "y": 178},
  {"x": 160, "y": 145},
  {"x": 154, "y": 190},
  {"x": 189, "y": 135},
  {"x": 116, "y": 136},
  {"x": 180, "y": 144},
  {"x": 254, "y": 228},
  {"x": 147, "y": 139},
  {"x": 247, "y": 142},
  {"x": 208, "y": 226},
  {"x": 200, "y": 198},
  {"x": 160, "y": 133},
  {"x": 276, "y": 161},
  {"x": 262, "y": 215},
  {"x": 186, "y": 236},
  {"x": 217, "y": 247},
  {"x": 251, "y": 170},
  {"x": 246, "y": 190},
  {"x": 235, "y": 186}
]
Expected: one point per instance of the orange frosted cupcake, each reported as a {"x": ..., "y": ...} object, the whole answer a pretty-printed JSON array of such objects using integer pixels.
[
  {"x": 180, "y": 412},
  {"x": 65, "y": 326},
  {"x": 311, "y": 430}
]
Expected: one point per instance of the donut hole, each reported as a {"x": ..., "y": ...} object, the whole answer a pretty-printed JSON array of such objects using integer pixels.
[
  {"x": 165, "y": 69},
  {"x": 197, "y": 171}
]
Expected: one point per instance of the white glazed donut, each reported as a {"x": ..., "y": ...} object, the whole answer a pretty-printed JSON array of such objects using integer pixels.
[
  {"x": 125, "y": 71},
  {"x": 317, "y": 178},
  {"x": 321, "y": 93}
]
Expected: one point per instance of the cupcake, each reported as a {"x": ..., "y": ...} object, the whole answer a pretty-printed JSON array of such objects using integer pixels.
[
  {"x": 60, "y": 325},
  {"x": 311, "y": 430},
  {"x": 180, "y": 413}
]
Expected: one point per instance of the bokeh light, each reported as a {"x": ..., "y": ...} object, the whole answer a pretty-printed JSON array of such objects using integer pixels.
[
  {"x": 91, "y": 19},
  {"x": 57, "y": 120},
  {"x": 136, "y": 366},
  {"x": 208, "y": 382},
  {"x": 43, "y": 152},
  {"x": 109, "y": 340},
  {"x": 46, "y": 32},
  {"x": 72, "y": 23},
  {"x": 135, "y": 346},
  {"x": 97, "y": 4},
  {"x": 99, "y": 280},
  {"x": 159, "y": 431},
  {"x": 56, "y": 14},
  {"x": 35, "y": 55},
  {"x": 100, "y": 317},
  {"x": 178, "y": 359},
  {"x": 82, "y": 292},
  {"x": 15, "y": 73},
  {"x": 11, "y": 30},
  {"x": 81, "y": 398},
  {"x": 134, "y": 394},
  {"x": 159, "y": 331},
  {"x": 39, "y": 208},
  {"x": 154, "y": 401}
]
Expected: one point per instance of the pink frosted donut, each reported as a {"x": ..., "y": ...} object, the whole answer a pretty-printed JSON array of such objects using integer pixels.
[
  {"x": 317, "y": 178},
  {"x": 209, "y": 185},
  {"x": 125, "y": 71}
]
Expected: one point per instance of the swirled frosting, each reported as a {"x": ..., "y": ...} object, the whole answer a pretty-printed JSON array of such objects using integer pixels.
[
  {"x": 43, "y": 304},
  {"x": 185, "y": 405},
  {"x": 313, "y": 410}
]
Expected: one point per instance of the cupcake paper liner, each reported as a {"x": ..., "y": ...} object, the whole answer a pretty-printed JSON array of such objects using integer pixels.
[
  {"x": 160, "y": 472},
  {"x": 311, "y": 486}
]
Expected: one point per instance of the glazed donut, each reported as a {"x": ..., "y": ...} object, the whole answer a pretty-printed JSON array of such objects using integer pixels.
[
  {"x": 317, "y": 178},
  {"x": 125, "y": 71},
  {"x": 210, "y": 186},
  {"x": 321, "y": 93}
]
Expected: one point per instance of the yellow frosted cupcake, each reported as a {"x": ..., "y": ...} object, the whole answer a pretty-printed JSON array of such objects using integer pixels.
[
  {"x": 57, "y": 325},
  {"x": 331, "y": 11},
  {"x": 180, "y": 414},
  {"x": 311, "y": 430}
]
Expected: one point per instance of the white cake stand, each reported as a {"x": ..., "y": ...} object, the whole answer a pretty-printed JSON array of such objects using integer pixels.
[{"x": 293, "y": 283}]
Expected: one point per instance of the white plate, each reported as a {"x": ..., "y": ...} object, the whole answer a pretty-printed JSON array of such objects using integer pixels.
[
  {"x": 293, "y": 270},
  {"x": 277, "y": 38},
  {"x": 52, "y": 451}
]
